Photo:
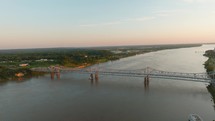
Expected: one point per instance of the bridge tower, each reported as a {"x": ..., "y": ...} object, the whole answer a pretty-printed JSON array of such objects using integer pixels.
[
  {"x": 91, "y": 76},
  {"x": 146, "y": 79},
  {"x": 54, "y": 71},
  {"x": 96, "y": 76},
  {"x": 52, "y": 74}
]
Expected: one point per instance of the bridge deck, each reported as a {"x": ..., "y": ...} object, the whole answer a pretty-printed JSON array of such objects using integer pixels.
[{"x": 152, "y": 73}]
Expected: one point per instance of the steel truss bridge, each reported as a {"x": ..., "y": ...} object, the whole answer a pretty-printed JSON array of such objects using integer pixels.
[{"x": 146, "y": 72}]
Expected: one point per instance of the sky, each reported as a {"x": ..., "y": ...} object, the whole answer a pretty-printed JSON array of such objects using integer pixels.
[{"x": 86, "y": 23}]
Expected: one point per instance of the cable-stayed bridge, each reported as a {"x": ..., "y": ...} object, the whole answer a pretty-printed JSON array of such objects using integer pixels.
[{"x": 146, "y": 73}]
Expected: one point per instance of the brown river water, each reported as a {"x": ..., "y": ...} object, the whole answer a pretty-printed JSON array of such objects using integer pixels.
[{"x": 74, "y": 97}]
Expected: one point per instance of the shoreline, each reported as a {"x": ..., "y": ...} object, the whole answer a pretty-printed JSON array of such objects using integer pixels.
[
  {"x": 111, "y": 57},
  {"x": 210, "y": 66}
]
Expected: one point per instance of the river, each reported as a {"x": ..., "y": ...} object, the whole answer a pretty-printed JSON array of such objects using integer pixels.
[{"x": 114, "y": 98}]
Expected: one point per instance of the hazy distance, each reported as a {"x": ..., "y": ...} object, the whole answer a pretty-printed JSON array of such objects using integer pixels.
[{"x": 86, "y": 23}]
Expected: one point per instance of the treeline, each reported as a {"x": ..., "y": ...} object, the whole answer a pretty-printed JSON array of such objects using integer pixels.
[
  {"x": 211, "y": 89},
  {"x": 65, "y": 57},
  {"x": 73, "y": 56},
  {"x": 210, "y": 63},
  {"x": 10, "y": 73},
  {"x": 10, "y": 60},
  {"x": 210, "y": 66},
  {"x": 80, "y": 57}
]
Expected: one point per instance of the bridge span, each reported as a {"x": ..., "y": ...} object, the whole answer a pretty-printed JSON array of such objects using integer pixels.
[{"x": 146, "y": 73}]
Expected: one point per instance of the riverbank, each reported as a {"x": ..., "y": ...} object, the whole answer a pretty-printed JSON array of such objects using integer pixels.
[
  {"x": 210, "y": 67},
  {"x": 44, "y": 96},
  {"x": 19, "y": 63},
  {"x": 210, "y": 63},
  {"x": 17, "y": 74}
]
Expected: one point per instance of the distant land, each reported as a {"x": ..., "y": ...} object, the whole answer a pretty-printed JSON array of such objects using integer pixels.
[
  {"x": 96, "y": 47},
  {"x": 21, "y": 62}
]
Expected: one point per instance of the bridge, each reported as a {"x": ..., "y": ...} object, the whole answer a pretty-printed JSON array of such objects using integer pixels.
[{"x": 146, "y": 73}]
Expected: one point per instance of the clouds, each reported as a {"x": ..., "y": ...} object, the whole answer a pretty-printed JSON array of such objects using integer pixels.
[
  {"x": 102, "y": 24},
  {"x": 154, "y": 15},
  {"x": 141, "y": 19},
  {"x": 123, "y": 21},
  {"x": 81, "y": 21},
  {"x": 164, "y": 13}
]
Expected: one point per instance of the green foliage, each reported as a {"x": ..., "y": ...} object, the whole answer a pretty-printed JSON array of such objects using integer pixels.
[
  {"x": 211, "y": 89},
  {"x": 66, "y": 57},
  {"x": 210, "y": 63},
  {"x": 69, "y": 57},
  {"x": 9, "y": 73}
]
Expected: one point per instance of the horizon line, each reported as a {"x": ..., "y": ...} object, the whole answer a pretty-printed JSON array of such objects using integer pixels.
[{"x": 102, "y": 46}]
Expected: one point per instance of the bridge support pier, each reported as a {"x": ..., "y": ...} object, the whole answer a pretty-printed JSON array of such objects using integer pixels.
[
  {"x": 91, "y": 77},
  {"x": 146, "y": 80},
  {"x": 146, "y": 83},
  {"x": 58, "y": 75},
  {"x": 96, "y": 76},
  {"x": 53, "y": 74}
]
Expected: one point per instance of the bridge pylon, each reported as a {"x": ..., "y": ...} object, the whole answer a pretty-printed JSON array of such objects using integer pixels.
[
  {"x": 146, "y": 80},
  {"x": 96, "y": 76}
]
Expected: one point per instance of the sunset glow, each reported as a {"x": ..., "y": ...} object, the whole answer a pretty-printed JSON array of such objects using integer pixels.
[{"x": 83, "y": 23}]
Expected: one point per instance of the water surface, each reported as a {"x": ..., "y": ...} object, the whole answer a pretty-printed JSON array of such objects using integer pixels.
[{"x": 75, "y": 98}]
